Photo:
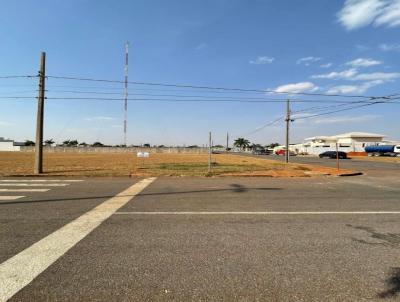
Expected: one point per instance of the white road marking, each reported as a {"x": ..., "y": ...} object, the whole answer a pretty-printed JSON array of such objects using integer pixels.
[
  {"x": 21, "y": 269},
  {"x": 261, "y": 213},
  {"x": 10, "y": 197},
  {"x": 24, "y": 190},
  {"x": 41, "y": 180},
  {"x": 32, "y": 185}
]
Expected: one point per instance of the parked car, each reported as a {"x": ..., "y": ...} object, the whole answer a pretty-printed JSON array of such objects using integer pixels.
[
  {"x": 261, "y": 152},
  {"x": 333, "y": 154},
  {"x": 282, "y": 152}
]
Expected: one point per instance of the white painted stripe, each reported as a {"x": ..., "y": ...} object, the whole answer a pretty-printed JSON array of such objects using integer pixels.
[
  {"x": 32, "y": 185},
  {"x": 261, "y": 213},
  {"x": 10, "y": 197},
  {"x": 20, "y": 270},
  {"x": 24, "y": 190},
  {"x": 41, "y": 180}
]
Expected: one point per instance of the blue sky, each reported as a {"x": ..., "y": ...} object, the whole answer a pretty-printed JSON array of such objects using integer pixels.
[{"x": 319, "y": 46}]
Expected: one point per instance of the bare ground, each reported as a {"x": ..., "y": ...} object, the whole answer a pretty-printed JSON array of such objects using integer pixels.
[{"x": 158, "y": 164}]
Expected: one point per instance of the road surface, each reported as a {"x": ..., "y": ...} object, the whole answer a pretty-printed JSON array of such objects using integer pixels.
[{"x": 201, "y": 239}]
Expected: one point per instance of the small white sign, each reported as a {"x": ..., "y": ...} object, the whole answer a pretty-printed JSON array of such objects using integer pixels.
[{"x": 143, "y": 154}]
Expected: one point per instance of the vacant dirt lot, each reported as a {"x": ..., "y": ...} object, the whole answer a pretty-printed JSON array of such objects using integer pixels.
[{"x": 123, "y": 164}]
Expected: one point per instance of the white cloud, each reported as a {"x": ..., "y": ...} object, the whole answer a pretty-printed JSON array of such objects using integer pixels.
[
  {"x": 327, "y": 65},
  {"x": 262, "y": 60},
  {"x": 346, "y": 89},
  {"x": 390, "y": 47},
  {"x": 99, "y": 118},
  {"x": 390, "y": 15},
  {"x": 353, "y": 75},
  {"x": 346, "y": 74},
  {"x": 296, "y": 87},
  {"x": 308, "y": 60},
  {"x": 346, "y": 119},
  {"x": 377, "y": 76},
  {"x": 359, "y": 13},
  {"x": 363, "y": 62}
]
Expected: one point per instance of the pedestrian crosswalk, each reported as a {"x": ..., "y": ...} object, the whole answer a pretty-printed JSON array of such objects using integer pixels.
[{"x": 28, "y": 187}]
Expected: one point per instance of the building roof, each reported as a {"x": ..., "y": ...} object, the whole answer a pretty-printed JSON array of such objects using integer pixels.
[
  {"x": 320, "y": 138},
  {"x": 346, "y": 135},
  {"x": 358, "y": 134}
]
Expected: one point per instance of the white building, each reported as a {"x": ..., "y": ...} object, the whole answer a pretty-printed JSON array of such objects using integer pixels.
[
  {"x": 8, "y": 145},
  {"x": 347, "y": 142}
]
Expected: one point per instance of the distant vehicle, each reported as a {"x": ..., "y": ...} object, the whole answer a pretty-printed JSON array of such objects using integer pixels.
[
  {"x": 283, "y": 152},
  {"x": 261, "y": 152},
  {"x": 383, "y": 150},
  {"x": 333, "y": 154}
]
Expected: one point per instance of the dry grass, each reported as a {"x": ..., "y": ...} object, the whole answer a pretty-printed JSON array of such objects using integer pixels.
[{"x": 159, "y": 164}]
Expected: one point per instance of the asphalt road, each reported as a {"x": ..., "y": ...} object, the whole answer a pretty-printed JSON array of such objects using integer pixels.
[
  {"x": 213, "y": 239},
  {"x": 352, "y": 163}
]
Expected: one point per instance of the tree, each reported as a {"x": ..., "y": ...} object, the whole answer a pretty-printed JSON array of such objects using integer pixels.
[
  {"x": 146, "y": 145},
  {"x": 241, "y": 143},
  {"x": 73, "y": 143},
  {"x": 256, "y": 147},
  {"x": 83, "y": 144},
  {"x": 49, "y": 142},
  {"x": 29, "y": 143},
  {"x": 97, "y": 144},
  {"x": 273, "y": 145},
  {"x": 66, "y": 143}
]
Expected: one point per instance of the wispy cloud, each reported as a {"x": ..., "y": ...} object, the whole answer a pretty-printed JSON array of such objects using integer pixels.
[
  {"x": 389, "y": 47},
  {"x": 297, "y": 87},
  {"x": 262, "y": 60},
  {"x": 345, "y": 74},
  {"x": 99, "y": 118},
  {"x": 308, "y": 60},
  {"x": 364, "y": 62},
  {"x": 346, "y": 119},
  {"x": 359, "y": 13},
  {"x": 353, "y": 75},
  {"x": 327, "y": 65},
  {"x": 345, "y": 89}
]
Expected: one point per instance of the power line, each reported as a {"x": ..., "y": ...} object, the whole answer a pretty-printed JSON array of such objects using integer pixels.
[
  {"x": 206, "y": 100},
  {"x": 17, "y": 76},
  {"x": 189, "y": 96},
  {"x": 209, "y": 87},
  {"x": 331, "y": 112}
]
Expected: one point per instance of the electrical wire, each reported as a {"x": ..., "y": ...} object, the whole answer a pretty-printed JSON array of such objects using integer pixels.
[{"x": 207, "y": 87}]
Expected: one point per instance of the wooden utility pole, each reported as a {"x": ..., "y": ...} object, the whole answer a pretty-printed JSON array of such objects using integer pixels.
[
  {"x": 209, "y": 152},
  {"x": 227, "y": 142},
  {"x": 38, "y": 169},
  {"x": 287, "y": 130}
]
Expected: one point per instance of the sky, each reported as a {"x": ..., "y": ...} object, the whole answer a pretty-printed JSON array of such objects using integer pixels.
[{"x": 334, "y": 47}]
